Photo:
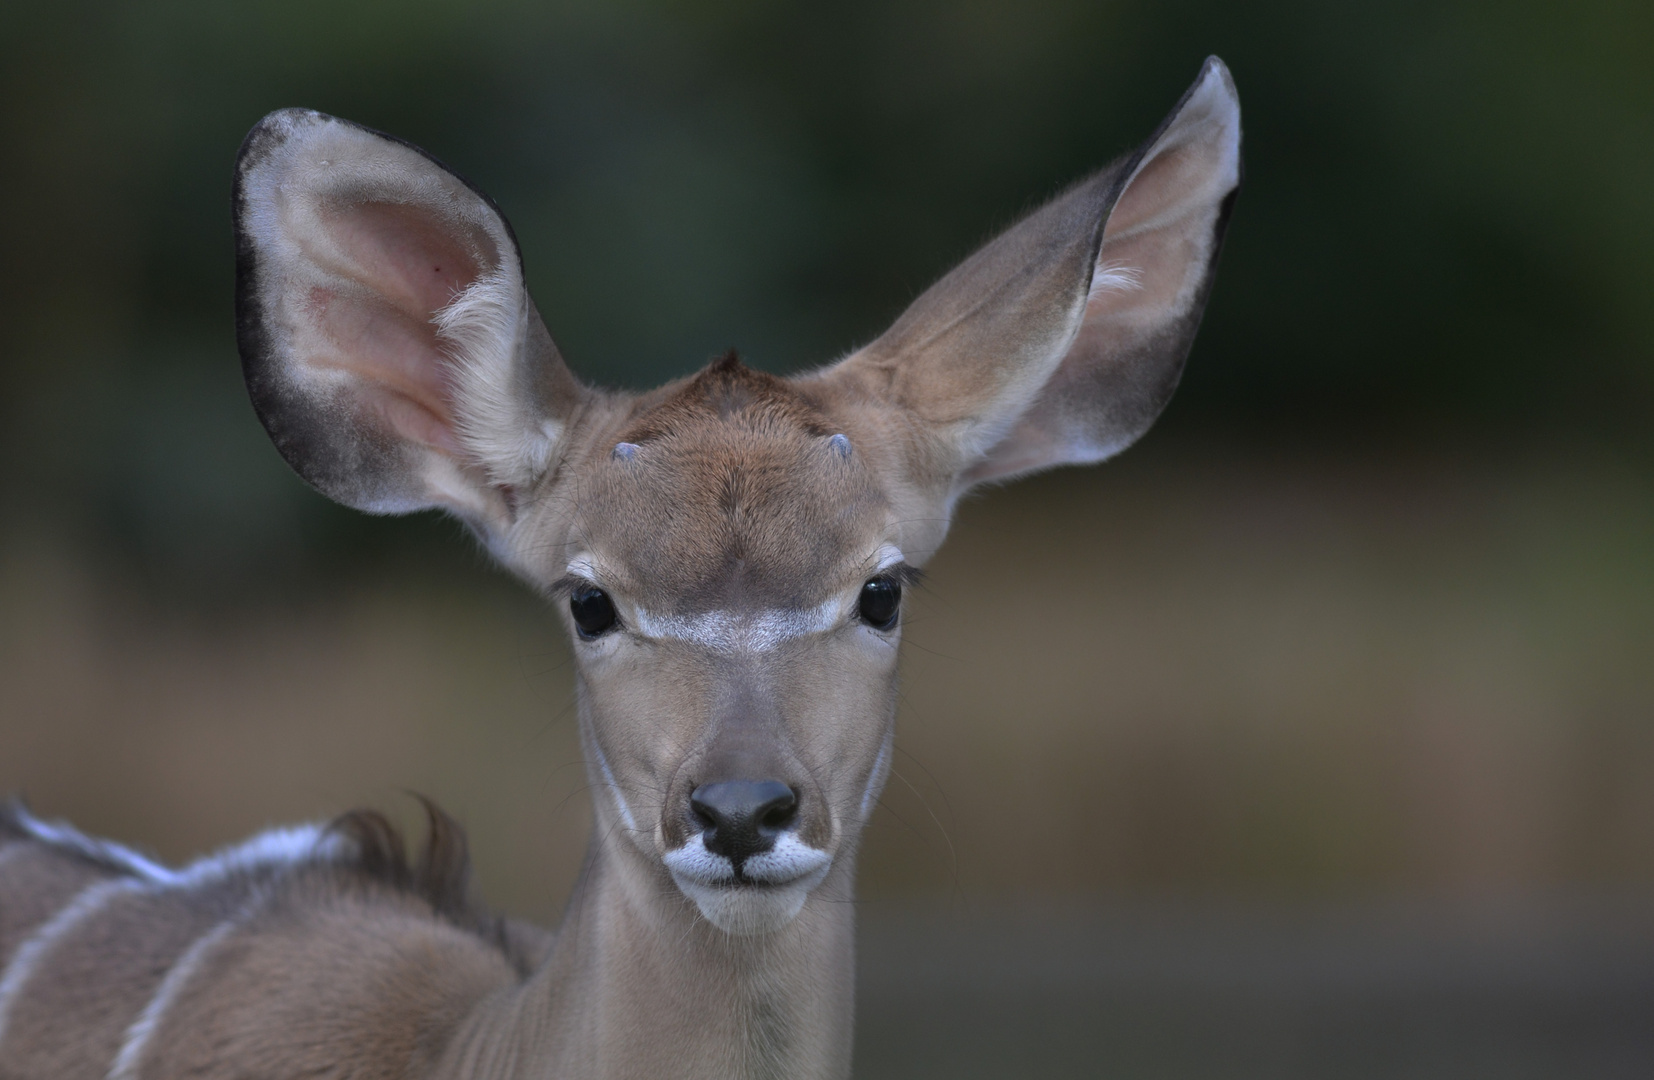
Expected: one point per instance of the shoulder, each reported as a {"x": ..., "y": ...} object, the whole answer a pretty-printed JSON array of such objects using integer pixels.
[{"x": 374, "y": 983}]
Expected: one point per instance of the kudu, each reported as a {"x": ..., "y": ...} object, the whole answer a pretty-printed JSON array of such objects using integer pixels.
[{"x": 730, "y": 553}]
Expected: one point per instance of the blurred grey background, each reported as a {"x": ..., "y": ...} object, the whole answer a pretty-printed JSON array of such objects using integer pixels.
[{"x": 1313, "y": 737}]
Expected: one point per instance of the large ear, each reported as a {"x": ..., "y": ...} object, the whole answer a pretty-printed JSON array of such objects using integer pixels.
[
  {"x": 387, "y": 339},
  {"x": 1061, "y": 340}
]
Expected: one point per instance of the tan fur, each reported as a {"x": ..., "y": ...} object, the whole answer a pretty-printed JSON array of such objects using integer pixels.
[
  {"x": 97, "y": 978},
  {"x": 732, "y": 519},
  {"x": 35, "y": 882},
  {"x": 374, "y": 983},
  {"x": 376, "y": 958}
]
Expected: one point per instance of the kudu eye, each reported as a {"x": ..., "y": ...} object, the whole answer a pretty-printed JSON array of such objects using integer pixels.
[
  {"x": 593, "y": 611},
  {"x": 881, "y": 601}
]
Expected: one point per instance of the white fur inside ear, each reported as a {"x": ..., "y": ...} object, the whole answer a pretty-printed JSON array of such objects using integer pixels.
[
  {"x": 339, "y": 218},
  {"x": 483, "y": 331},
  {"x": 1114, "y": 277},
  {"x": 1151, "y": 273}
]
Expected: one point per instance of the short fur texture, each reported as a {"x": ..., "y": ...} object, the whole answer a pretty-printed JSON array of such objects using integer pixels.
[
  {"x": 725, "y": 527},
  {"x": 81, "y": 1007}
]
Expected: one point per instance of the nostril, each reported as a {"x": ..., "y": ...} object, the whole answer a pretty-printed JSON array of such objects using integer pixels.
[
  {"x": 739, "y": 818},
  {"x": 779, "y": 812}
]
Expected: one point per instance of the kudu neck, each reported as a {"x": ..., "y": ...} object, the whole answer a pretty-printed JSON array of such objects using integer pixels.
[{"x": 639, "y": 984}]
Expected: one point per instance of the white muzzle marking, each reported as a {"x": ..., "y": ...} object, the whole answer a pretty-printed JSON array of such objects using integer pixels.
[{"x": 769, "y": 893}]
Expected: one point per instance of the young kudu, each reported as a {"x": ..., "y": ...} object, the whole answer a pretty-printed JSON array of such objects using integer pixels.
[{"x": 730, "y": 553}]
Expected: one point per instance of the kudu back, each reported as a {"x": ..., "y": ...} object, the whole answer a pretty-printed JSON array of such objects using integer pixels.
[{"x": 729, "y": 552}]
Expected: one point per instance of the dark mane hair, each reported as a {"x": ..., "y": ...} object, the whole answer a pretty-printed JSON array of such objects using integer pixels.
[{"x": 440, "y": 874}]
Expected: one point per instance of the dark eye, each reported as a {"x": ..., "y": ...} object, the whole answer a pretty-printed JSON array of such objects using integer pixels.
[
  {"x": 593, "y": 611},
  {"x": 881, "y": 600}
]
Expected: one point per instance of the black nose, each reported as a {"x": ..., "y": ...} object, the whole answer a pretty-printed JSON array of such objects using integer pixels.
[{"x": 742, "y": 817}]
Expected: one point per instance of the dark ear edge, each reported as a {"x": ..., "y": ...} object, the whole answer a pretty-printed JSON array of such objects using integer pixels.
[
  {"x": 993, "y": 369},
  {"x": 389, "y": 383},
  {"x": 1151, "y": 404},
  {"x": 1093, "y": 409},
  {"x": 317, "y": 450}
]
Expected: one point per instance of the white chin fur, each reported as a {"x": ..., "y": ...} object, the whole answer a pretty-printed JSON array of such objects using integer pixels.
[{"x": 780, "y": 881}]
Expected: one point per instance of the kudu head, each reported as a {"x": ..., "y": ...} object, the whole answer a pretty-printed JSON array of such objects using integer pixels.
[{"x": 729, "y": 551}]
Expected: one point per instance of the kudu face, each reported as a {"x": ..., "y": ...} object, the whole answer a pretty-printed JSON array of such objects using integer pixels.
[
  {"x": 729, "y": 551},
  {"x": 725, "y": 574}
]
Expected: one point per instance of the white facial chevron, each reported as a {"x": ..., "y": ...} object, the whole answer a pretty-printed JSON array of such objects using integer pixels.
[{"x": 741, "y": 631}]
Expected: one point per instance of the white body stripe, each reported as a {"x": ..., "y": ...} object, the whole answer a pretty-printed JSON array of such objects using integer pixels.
[
  {"x": 57, "y": 834},
  {"x": 178, "y": 976},
  {"x": 29, "y": 955},
  {"x": 276, "y": 847}
]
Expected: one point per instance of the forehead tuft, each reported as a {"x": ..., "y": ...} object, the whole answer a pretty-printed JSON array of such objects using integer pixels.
[
  {"x": 727, "y": 392},
  {"x": 735, "y": 495}
]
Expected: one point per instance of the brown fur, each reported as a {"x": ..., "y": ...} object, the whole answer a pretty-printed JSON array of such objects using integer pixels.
[
  {"x": 747, "y": 501},
  {"x": 727, "y": 390},
  {"x": 393, "y": 355},
  {"x": 320, "y": 939},
  {"x": 95, "y": 981},
  {"x": 35, "y": 882},
  {"x": 374, "y": 977}
]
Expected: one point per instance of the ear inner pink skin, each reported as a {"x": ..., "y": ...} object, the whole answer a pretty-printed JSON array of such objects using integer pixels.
[{"x": 734, "y": 618}]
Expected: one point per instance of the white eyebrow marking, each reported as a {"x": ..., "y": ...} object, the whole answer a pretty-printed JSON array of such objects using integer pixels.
[
  {"x": 735, "y": 631},
  {"x": 888, "y": 555}
]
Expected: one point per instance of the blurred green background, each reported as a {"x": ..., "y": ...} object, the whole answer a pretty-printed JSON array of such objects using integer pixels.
[{"x": 1356, "y": 644}]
